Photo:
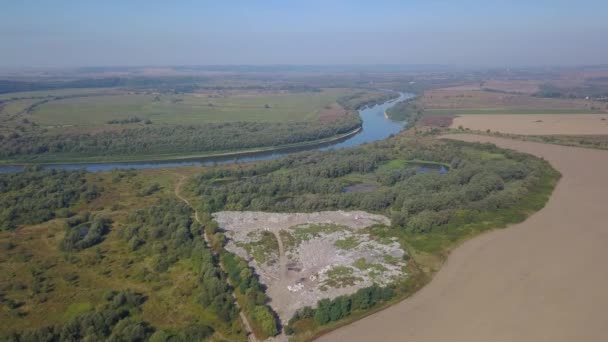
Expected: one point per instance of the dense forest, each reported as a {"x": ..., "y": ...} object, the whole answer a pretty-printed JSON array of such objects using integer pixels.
[
  {"x": 155, "y": 140},
  {"x": 315, "y": 181},
  {"x": 37, "y": 195}
]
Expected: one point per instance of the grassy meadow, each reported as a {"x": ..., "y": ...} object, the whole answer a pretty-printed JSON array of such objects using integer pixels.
[
  {"x": 49, "y": 286},
  {"x": 185, "y": 108}
]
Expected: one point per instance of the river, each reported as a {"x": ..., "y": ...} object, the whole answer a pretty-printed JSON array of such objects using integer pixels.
[{"x": 376, "y": 126}]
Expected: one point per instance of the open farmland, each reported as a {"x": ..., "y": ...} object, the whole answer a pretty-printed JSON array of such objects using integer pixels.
[
  {"x": 127, "y": 125},
  {"x": 538, "y": 124},
  {"x": 537, "y": 280},
  {"x": 186, "y": 108},
  {"x": 463, "y": 100}
]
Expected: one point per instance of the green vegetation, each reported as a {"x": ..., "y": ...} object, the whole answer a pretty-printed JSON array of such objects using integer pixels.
[
  {"x": 486, "y": 187},
  {"x": 54, "y": 276},
  {"x": 340, "y": 276},
  {"x": 408, "y": 111},
  {"x": 116, "y": 320},
  {"x": 347, "y": 243},
  {"x": 83, "y": 231},
  {"x": 185, "y": 109},
  {"x": 82, "y": 125},
  {"x": 38, "y": 195},
  {"x": 178, "y": 140},
  {"x": 250, "y": 295},
  {"x": 328, "y": 311},
  {"x": 264, "y": 250}
]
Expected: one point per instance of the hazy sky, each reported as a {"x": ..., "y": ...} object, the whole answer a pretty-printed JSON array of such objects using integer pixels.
[{"x": 148, "y": 32}]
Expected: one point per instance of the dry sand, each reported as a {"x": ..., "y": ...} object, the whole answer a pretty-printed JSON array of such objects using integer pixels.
[
  {"x": 536, "y": 124},
  {"x": 542, "y": 280}
]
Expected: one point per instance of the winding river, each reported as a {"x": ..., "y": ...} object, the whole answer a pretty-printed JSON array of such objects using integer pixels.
[{"x": 376, "y": 126}]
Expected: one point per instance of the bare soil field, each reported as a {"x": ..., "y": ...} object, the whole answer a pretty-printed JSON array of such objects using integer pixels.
[
  {"x": 540, "y": 280},
  {"x": 535, "y": 124},
  {"x": 456, "y": 100},
  {"x": 303, "y": 258}
]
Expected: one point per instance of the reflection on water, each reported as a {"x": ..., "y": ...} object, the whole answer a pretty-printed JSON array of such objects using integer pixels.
[{"x": 376, "y": 126}]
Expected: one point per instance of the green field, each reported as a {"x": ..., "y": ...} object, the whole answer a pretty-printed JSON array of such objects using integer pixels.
[{"x": 185, "y": 108}]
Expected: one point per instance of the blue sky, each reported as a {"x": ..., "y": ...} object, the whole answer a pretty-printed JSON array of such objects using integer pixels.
[{"x": 466, "y": 32}]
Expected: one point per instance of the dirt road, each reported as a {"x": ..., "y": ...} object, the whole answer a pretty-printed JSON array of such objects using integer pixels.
[
  {"x": 542, "y": 280},
  {"x": 178, "y": 194}
]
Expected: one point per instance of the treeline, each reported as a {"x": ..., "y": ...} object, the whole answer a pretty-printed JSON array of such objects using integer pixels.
[
  {"x": 174, "y": 83},
  {"x": 362, "y": 99},
  {"x": 328, "y": 311},
  {"x": 405, "y": 111},
  {"x": 133, "y": 119},
  {"x": 254, "y": 300},
  {"x": 37, "y": 195},
  {"x": 116, "y": 320},
  {"x": 154, "y": 140},
  {"x": 83, "y": 231},
  {"x": 314, "y": 181},
  {"x": 167, "y": 233}
]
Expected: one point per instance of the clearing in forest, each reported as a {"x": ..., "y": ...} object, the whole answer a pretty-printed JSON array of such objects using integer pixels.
[{"x": 305, "y": 257}]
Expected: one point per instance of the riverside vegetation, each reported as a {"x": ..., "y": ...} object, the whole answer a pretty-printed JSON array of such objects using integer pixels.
[
  {"x": 485, "y": 188},
  {"x": 100, "y": 236},
  {"x": 155, "y": 248}
]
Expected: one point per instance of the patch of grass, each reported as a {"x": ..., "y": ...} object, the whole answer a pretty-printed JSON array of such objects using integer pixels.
[
  {"x": 341, "y": 276},
  {"x": 263, "y": 250},
  {"x": 347, "y": 243},
  {"x": 76, "y": 309},
  {"x": 186, "y": 108},
  {"x": 55, "y": 286},
  {"x": 307, "y": 232}
]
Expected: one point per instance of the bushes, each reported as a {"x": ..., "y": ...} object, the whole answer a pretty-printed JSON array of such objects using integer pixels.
[
  {"x": 167, "y": 233},
  {"x": 36, "y": 195},
  {"x": 482, "y": 177},
  {"x": 328, "y": 311},
  {"x": 84, "y": 231},
  {"x": 253, "y": 299},
  {"x": 154, "y": 140},
  {"x": 112, "y": 322}
]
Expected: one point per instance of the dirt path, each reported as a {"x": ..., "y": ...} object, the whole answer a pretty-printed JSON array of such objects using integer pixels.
[
  {"x": 282, "y": 256},
  {"x": 541, "y": 280},
  {"x": 178, "y": 186}
]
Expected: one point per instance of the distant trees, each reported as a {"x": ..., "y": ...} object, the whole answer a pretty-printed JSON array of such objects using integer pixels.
[
  {"x": 133, "y": 119},
  {"x": 165, "y": 139}
]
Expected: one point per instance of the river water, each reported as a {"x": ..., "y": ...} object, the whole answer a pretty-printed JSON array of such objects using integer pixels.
[{"x": 376, "y": 126}]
